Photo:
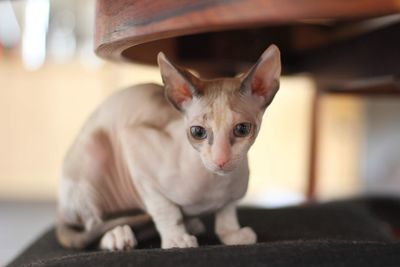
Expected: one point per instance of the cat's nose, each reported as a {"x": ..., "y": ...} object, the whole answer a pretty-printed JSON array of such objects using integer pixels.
[{"x": 221, "y": 163}]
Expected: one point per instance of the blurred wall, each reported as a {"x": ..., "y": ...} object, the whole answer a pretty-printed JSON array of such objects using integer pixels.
[
  {"x": 341, "y": 132},
  {"x": 42, "y": 111},
  {"x": 381, "y": 146}
]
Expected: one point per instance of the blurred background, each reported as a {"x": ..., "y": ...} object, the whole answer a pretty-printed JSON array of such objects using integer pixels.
[{"x": 51, "y": 80}]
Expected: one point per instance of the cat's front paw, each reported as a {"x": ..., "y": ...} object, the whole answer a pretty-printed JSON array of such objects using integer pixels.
[
  {"x": 180, "y": 241},
  {"x": 119, "y": 238},
  {"x": 243, "y": 236}
]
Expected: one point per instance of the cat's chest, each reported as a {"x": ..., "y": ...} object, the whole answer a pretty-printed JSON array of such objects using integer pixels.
[
  {"x": 198, "y": 191},
  {"x": 208, "y": 200}
]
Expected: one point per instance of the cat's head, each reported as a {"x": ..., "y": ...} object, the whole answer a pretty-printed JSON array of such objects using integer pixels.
[{"x": 223, "y": 116}]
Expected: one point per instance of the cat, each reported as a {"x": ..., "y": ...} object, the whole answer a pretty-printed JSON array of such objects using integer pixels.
[{"x": 172, "y": 152}]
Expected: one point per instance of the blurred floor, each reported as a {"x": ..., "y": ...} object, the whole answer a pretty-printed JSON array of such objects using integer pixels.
[{"x": 20, "y": 224}]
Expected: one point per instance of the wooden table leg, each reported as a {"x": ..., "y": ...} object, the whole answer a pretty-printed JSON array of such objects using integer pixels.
[{"x": 314, "y": 138}]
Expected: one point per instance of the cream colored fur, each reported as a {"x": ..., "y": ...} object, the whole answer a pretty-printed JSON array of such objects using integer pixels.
[{"x": 136, "y": 151}]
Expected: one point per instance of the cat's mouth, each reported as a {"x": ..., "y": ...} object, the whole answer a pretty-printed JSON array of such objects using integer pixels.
[{"x": 225, "y": 170}]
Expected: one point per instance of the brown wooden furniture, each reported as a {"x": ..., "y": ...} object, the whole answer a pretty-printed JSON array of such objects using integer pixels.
[{"x": 342, "y": 43}]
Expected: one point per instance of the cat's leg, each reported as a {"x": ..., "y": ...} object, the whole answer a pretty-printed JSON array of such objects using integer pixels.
[
  {"x": 119, "y": 238},
  {"x": 228, "y": 229},
  {"x": 168, "y": 219},
  {"x": 78, "y": 203},
  {"x": 166, "y": 215},
  {"x": 195, "y": 226}
]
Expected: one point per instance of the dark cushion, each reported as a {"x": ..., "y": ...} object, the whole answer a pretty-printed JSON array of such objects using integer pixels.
[{"x": 334, "y": 234}]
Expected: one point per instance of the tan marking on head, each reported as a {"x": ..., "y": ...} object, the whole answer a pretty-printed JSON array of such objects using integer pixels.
[
  {"x": 218, "y": 110},
  {"x": 218, "y": 94}
]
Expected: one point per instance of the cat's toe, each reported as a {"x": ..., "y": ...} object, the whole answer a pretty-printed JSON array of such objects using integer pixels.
[
  {"x": 119, "y": 238},
  {"x": 188, "y": 241},
  {"x": 180, "y": 241},
  {"x": 129, "y": 238},
  {"x": 243, "y": 236}
]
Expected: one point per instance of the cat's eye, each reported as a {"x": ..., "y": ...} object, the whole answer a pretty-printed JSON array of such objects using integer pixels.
[
  {"x": 198, "y": 132},
  {"x": 242, "y": 129}
]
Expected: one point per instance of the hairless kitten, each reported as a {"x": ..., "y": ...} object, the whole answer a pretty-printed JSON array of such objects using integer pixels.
[{"x": 173, "y": 152}]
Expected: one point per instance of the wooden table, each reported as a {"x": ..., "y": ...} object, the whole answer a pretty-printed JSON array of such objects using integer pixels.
[{"x": 349, "y": 46}]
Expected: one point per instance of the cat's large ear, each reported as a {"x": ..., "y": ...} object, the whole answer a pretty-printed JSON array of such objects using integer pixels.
[
  {"x": 181, "y": 86},
  {"x": 262, "y": 80}
]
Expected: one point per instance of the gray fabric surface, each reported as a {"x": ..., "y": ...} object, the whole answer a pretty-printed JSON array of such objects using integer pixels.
[{"x": 335, "y": 234}]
